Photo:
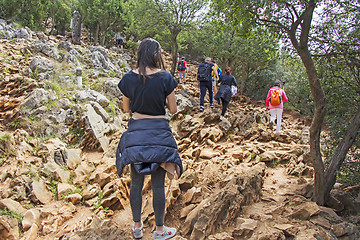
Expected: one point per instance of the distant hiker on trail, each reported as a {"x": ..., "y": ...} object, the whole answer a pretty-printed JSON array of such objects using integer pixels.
[
  {"x": 181, "y": 67},
  {"x": 119, "y": 41},
  {"x": 213, "y": 75},
  {"x": 149, "y": 145},
  {"x": 203, "y": 75},
  {"x": 227, "y": 82},
  {"x": 275, "y": 102}
]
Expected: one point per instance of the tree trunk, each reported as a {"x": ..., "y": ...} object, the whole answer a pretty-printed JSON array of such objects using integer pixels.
[
  {"x": 340, "y": 153},
  {"x": 242, "y": 79},
  {"x": 96, "y": 37},
  {"x": 174, "y": 50},
  {"x": 103, "y": 38},
  {"x": 304, "y": 24},
  {"x": 315, "y": 128}
]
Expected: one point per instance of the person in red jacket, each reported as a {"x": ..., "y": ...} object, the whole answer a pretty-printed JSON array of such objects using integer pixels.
[
  {"x": 276, "y": 110},
  {"x": 182, "y": 70}
]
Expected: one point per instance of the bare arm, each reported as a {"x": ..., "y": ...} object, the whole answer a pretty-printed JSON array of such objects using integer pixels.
[
  {"x": 216, "y": 73},
  {"x": 126, "y": 104},
  {"x": 171, "y": 102}
]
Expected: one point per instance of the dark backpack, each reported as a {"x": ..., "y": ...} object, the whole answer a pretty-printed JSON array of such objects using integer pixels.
[
  {"x": 204, "y": 72},
  {"x": 181, "y": 66}
]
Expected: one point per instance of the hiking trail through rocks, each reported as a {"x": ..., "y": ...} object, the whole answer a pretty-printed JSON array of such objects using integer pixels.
[{"x": 58, "y": 141}]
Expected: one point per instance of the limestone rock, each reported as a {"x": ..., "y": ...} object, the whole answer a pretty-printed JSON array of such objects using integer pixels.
[
  {"x": 9, "y": 228},
  {"x": 289, "y": 229},
  {"x": 91, "y": 191},
  {"x": 343, "y": 229},
  {"x": 97, "y": 127},
  {"x": 245, "y": 228},
  {"x": 91, "y": 95},
  {"x": 305, "y": 211},
  {"x": 323, "y": 222},
  {"x": 269, "y": 156},
  {"x": 74, "y": 198},
  {"x": 100, "y": 110},
  {"x": 101, "y": 178},
  {"x": 54, "y": 170},
  {"x": 32, "y": 216},
  {"x": 186, "y": 210},
  {"x": 41, "y": 65},
  {"x": 73, "y": 158},
  {"x": 225, "y": 125},
  {"x": 32, "y": 233},
  {"x": 111, "y": 87},
  {"x": 40, "y": 193},
  {"x": 12, "y": 206},
  {"x": 192, "y": 195},
  {"x": 225, "y": 205},
  {"x": 63, "y": 189},
  {"x": 183, "y": 102},
  {"x": 212, "y": 133},
  {"x": 221, "y": 236},
  {"x": 187, "y": 180},
  {"x": 208, "y": 154},
  {"x": 187, "y": 125},
  {"x": 99, "y": 229},
  {"x": 34, "y": 100},
  {"x": 46, "y": 48},
  {"x": 112, "y": 202}
]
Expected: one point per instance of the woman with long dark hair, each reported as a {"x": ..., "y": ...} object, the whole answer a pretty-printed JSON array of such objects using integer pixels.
[
  {"x": 148, "y": 145},
  {"x": 227, "y": 80}
]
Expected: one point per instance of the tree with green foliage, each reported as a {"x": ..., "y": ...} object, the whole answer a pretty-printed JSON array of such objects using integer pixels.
[
  {"x": 177, "y": 15},
  {"x": 59, "y": 11},
  {"x": 102, "y": 17},
  {"x": 30, "y": 13},
  {"x": 339, "y": 63},
  {"x": 292, "y": 20},
  {"x": 154, "y": 17}
]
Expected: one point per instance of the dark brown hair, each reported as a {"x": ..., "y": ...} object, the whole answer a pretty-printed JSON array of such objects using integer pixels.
[
  {"x": 149, "y": 55},
  {"x": 228, "y": 70}
]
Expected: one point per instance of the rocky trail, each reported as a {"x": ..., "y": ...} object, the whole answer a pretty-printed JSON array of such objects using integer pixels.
[{"x": 58, "y": 143}]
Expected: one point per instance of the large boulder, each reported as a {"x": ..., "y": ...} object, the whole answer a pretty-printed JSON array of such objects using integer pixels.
[
  {"x": 188, "y": 125},
  {"x": 91, "y": 95},
  {"x": 36, "y": 99},
  {"x": 223, "y": 208},
  {"x": 41, "y": 65}
]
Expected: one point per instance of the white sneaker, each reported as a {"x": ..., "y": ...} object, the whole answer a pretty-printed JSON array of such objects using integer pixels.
[
  {"x": 138, "y": 231},
  {"x": 166, "y": 234},
  {"x": 222, "y": 118}
]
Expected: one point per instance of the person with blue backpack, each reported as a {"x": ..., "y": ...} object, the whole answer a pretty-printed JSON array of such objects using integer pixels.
[{"x": 205, "y": 82}]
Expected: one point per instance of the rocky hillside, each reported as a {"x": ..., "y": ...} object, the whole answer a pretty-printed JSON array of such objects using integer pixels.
[{"x": 57, "y": 156}]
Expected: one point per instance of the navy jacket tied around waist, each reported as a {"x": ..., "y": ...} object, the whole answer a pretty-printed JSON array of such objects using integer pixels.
[{"x": 147, "y": 141}]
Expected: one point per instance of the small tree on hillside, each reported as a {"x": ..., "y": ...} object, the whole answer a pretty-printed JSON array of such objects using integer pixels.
[
  {"x": 175, "y": 15},
  {"x": 102, "y": 17}
]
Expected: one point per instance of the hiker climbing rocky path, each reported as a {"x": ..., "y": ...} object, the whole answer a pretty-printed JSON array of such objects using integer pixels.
[{"x": 58, "y": 143}]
